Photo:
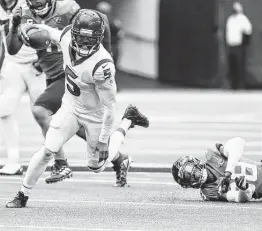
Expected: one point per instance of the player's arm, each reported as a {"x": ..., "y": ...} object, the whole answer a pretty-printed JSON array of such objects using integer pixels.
[
  {"x": 54, "y": 33},
  {"x": 13, "y": 41},
  {"x": 233, "y": 149},
  {"x": 239, "y": 196},
  {"x": 106, "y": 89}
]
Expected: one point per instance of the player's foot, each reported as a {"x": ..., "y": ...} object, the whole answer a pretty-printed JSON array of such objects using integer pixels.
[
  {"x": 137, "y": 118},
  {"x": 19, "y": 201},
  {"x": 59, "y": 171},
  {"x": 12, "y": 169},
  {"x": 121, "y": 167}
]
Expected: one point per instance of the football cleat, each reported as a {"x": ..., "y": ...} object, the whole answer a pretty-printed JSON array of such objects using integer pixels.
[
  {"x": 11, "y": 169},
  {"x": 137, "y": 118},
  {"x": 19, "y": 201},
  {"x": 121, "y": 167},
  {"x": 59, "y": 171}
]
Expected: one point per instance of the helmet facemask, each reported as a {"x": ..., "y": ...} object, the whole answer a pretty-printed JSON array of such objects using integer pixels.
[
  {"x": 39, "y": 7},
  {"x": 191, "y": 172},
  {"x": 86, "y": 42}
]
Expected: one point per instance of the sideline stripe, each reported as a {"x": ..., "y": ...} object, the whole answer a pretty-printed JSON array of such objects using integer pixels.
[
  {"x": 5, "y": 181},
  {"x": 200, "y": 204},
  {"x": 63, "y": 228}
]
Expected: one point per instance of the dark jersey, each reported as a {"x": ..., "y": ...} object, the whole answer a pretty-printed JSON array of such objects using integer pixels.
[
  {"x": 216, "y": 164},
  {"x": 62, "y": 12}
]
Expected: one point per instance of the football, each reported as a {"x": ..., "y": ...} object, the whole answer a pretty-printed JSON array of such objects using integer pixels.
[{"x": 39, "y": 39}]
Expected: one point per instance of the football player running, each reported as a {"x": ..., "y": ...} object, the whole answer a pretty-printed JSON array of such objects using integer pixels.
[
  {"x": 56, "y": 14},
  {"x": 89, "y": 101},
  {"x": 19, "y": 73},
  {"x": 224, "y": 176}
]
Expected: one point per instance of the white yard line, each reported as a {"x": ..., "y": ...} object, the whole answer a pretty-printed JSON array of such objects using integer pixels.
[
  {"x": 191, "y": 205},
  {"x": 60, "y": 228}
]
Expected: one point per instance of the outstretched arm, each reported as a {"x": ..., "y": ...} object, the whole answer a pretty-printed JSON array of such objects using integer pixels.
[
  {"x": 239, "y": 195},
  {"x": 54, "y": 34},
  {"x": 233, "y": 149},
  {"x": 13, "y": 41}
]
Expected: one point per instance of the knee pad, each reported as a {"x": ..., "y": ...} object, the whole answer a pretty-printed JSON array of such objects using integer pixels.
[{"x": 97, "y": 167}]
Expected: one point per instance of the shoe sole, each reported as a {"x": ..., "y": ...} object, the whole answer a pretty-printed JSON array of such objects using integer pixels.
[
  {"x": 60, "y": 179},
  {"x": 18, "y": 173}
]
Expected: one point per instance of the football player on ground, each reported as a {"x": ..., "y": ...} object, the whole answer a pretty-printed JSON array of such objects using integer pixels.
[
  {"x": 224, "y": 176},
  {"x": 19, "y": 73},
  {"x": 56, "y": 14},
  {"x": 89, "y": 101}
]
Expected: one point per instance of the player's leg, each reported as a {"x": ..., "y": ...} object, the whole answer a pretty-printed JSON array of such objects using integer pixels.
[
  {"x": 62, "y": 127},
  {"x": 121, "y": 162},
  {"x": 47, "y": 104},
  {"x": 13, "y": 88}
]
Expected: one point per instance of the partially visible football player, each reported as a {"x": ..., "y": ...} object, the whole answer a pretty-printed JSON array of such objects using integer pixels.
[
  {"x": 89, "y": 101},
  {"x": 18, "y": 75},
  {"x": 56, "y": 14},
  {"x": 224, "y": 176}
]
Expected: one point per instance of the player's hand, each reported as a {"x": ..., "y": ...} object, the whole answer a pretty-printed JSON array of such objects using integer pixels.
[
  {"x": 102, "y": 148},
  {"x": 17, "y": 15},
  {"x": 241, "y": 183},
  {"x": 23, "y": 33},
  {"x": 224, "y": 182},
  {"x": 38, "y": 68}
]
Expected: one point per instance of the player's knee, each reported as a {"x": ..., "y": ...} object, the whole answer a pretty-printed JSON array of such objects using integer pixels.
[
  {"x": 48, "y": 154},
  {"x": 41, "y": 115}
]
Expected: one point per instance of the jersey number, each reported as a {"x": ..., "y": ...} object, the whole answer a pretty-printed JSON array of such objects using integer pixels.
[
  {"x": 246, "y": 169},
  {"x": 107, "y": 73},
  {"x": 71, "y": 85}
]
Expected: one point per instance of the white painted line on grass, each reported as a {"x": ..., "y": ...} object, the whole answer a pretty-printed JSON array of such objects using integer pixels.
[
  {"x": 5, "y": 181},
  {"x": 62, "y": 228},
  {"x": 192, "y": 205}
]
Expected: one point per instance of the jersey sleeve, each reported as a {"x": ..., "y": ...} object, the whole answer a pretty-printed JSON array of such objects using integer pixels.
[{"x": 104, "y": 72}]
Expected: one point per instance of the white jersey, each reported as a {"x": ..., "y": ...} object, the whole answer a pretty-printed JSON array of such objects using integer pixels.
[
  {"x": 26, "y": 54},
  {"x": 80, "y": 91}
]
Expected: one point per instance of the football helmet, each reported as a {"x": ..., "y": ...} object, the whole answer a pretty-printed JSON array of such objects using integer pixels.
[
  {"x": 40, "y": 7},
  {"x": 87, "y": 32},
  {"x": 189, "y": 172}
]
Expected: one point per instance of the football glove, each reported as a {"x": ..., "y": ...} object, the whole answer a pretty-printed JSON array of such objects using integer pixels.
[
  {"x": 224, "y": 182},
  {"x": 241, "y": 183}
]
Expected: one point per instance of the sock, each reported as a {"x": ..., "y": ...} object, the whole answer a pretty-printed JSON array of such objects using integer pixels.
[
  {"x": 125, "y": 124},
  {"x": 116, "y": 141},
  {"x": 10, "y": 134},
  {"x": 36, "y": 168},
  {"x": 60, "y": 155}
]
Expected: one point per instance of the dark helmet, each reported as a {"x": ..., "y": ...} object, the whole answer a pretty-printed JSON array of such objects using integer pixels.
[
  {"x": 40, "y": 7},
  {"x": 87, "y": 32},
  {"x": 189, "y": 172}
]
